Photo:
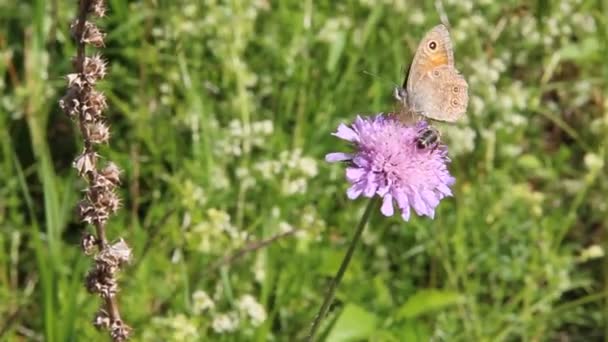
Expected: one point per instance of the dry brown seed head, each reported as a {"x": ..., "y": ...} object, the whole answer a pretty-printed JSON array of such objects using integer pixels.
[
  {"x": 99, "y": 132},
  {"x": 85, "y": 163},
  {"x": 74, "y": 80},
  {"x": 93, "y": 106},
  {"x": 102, "y": 283},
  {"x": 119, "y": 331},
  {"x": 90, "y": 34},
  {"x": 98, "y": 8},
  {"x": 94, "y": 68},
  {"x": 111, "y": 173},
  {"x": 70, "y": 104},
  {"x": 101, "y": 319},
  {"x": 88, "y": 243}
]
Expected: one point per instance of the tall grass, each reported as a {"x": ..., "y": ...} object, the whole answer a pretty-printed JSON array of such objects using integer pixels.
[{"x": 221, "y": 117}]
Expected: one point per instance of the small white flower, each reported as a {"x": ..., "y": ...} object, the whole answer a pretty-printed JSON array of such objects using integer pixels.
[
  {"x": 256, "y": 312},
  {"x": 236, "y": 129},
  {"x": 296, "y": 186},
  {"x": 224, "y": 323},
  {"x": 333, "y": 28},
  {"x": 201, "y": 302},
  {"x": 505, "y": 102},
  {"x": 593, "y": 162},
  {"x": 592, "y": 252},
  {"x": 275, "y": 212},
  {"x": 308, "y": 218},
  {"x": 463, "y": 139},
  {"x": 511, "y": 150},
  {"x": 190, "y": 10},
  {"x": 477, "y": 105},
  {"x": 285, "y": 227},
  {"x": 308, "y": 166},
  {"x": 268, "y": 168},
  {"x": 220, "y": 180},
  {"x": 263, "y": 128},
  {"x": 241, "y": 172},
  {"x": 417, "y": 17},
  {"x": 182, "y": 328}
]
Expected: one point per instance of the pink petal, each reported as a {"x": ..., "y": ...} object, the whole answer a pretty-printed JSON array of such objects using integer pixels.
[
  {"x": 386, "y": 187},
  {"x": 372, "y": 185},
  {"x": 401, "y": 198},
  {"x": 405, "y": 213},
  {"x": 431, "y": 199},
  {"x": 337, "y": 157},
  {"x": 346, "y": 133},
  {"x": 450, "y": 181},
  {"x": 354, "y": 191},
  {"x": 418, "y": 203},
  {"x": 354, "y": 174},
  {"x": 362, "y": 162},
  {"x": 444, "y": 189},
  {"x": 387, "y": 208}
]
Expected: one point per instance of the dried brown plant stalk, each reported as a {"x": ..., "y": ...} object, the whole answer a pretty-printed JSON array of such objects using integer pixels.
[{"x": 85, "y": 105}]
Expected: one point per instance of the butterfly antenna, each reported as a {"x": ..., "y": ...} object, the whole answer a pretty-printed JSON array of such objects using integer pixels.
[
  {"x": 443, "y": 16},
  {"x": 380, "y": 78}
]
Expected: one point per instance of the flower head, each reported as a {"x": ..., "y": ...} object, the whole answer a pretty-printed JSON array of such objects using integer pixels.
[
  {"x": 201, "y": 302},
  {"x": 250, "y": 306},
  {"x": 225, "y": 323},
  {"x": 387, "y": 162}
]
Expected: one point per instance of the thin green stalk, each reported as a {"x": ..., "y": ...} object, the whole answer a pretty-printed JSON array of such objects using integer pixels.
[{"x": 345, "y": 262}]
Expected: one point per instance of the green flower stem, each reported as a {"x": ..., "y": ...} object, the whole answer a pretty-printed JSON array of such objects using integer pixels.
[{"x": 345, "y": 262}]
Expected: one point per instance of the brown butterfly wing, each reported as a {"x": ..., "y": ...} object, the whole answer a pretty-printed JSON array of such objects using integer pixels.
[
  {"x": 434, "y": 50},
  {"x": 440, "y": 95}
]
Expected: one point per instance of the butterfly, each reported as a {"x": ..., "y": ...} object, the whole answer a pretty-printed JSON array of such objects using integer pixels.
[{"x": 433, "y": 87}]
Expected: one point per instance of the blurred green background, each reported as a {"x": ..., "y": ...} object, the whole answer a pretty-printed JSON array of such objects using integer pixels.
[{"x": 221, "y": 114}]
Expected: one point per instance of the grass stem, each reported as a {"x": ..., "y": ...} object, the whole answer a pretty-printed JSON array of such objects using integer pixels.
[{"x": 345, "y": 262}]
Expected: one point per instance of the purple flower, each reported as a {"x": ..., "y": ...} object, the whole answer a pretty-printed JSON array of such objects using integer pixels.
[{"x": 388, "y": 162}]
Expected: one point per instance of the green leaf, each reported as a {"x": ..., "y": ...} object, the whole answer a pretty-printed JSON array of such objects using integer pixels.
[
  {"x": 425, "y": 301},
  {"x": 336, "y": 50},
  {"x": 330, "y": 262},
  {"x": 587, "y": 49},
  {"x": 354, "y": 323},
  {"x": 414, "y": 331},
  {"x": 382, "y": 292},
  {"x": 529, "y": 162}
]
